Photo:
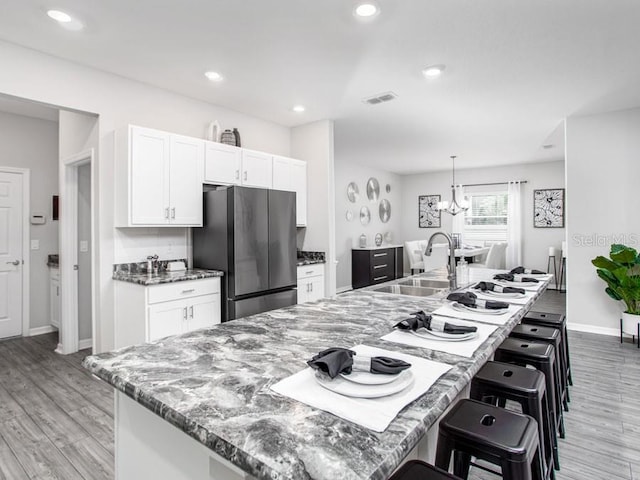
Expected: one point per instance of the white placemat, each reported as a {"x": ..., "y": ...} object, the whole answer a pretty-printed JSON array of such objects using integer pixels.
[
  {"x": 528, "y": 295},
  {"x": 464, "y": 348},
  {"x": 448, "y": 311},
  {"x": 376, "y": 413}
]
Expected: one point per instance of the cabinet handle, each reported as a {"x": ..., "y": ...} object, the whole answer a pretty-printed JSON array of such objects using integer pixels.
[
  {"x": 184, "y": 313},
  {"x": 191, "y": 290},
  {"x": 375, "y": 279},
  {"x": 380, "y": 254},
  {"x": 173, "y": 212},
  {"x": 166, "y": 213},
  {"x": 191, "y": 311},
  {"x": 245, "y": 175},
  {"x": 379, "y": 266},
  {"x": 57, "y": 291},
  {"x": 237, "y": 174},
  {"x": 309, "y": 272},
  {"x": 311, "y": 285},
  {"x": 308, "y": 284}
]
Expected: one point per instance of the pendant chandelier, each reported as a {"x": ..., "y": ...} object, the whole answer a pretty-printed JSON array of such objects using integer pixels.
[{"x": 454, "y": 207}]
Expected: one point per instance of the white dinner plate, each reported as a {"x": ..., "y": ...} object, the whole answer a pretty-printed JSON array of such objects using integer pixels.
[
  {"x": 442, "y": 336},
  {"x": 485, "y": 311},
  {"x": 357, "y": 390},
  {"x": 525, "y": 285},
  {"x": 368, "y": 378},
  {"x": 491, "y": 293},
  {"x": 534, "y": 275}
]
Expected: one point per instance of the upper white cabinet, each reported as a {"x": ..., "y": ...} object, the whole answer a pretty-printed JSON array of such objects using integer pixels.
[
  {"x": 228, "y": 165},
  {"x": 158, "y": 179},
  {"x": 291, "y": 175},
  {"x": 256, "y": 169}
]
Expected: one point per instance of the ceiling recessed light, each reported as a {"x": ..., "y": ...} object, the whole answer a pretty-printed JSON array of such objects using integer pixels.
[
  {"x": 59, "y": 16},
  {"x": 298, "y": 108},
  {"x": 213, "y": 76},
  {"x": 433, "y": 71},
  {"x": 366, "y": 9}
]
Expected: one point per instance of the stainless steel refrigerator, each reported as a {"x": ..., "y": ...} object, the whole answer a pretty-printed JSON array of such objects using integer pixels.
[{"x": 249, "y": 234}]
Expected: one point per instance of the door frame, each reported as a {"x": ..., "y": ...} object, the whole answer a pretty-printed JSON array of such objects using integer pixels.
[
  {"x": 68, "y": 340},
  {"x": 26, "y": 241}
]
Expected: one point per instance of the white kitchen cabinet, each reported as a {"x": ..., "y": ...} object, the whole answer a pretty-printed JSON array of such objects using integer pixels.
[
  {"x": 222, "y": 164},
  {"x": 147, "y": 313},
  {"x": 310, "y": 282},
  {"x": 256, "y": 169},
  {"x": 291, "y": 175},
  {"x": 158, "y": 179},
  {"x": 54, "y": 296}
]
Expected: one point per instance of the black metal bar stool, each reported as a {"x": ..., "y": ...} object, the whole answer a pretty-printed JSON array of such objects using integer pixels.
[
  {"x": 542, "y": 357},
  {"x": 419, "y": 470},
  {"x": 525, "y": 386},
  {"x": 555, "y": 320},
  {"x": 493, "y": 434},
  {"x": 552, "y": 336}
]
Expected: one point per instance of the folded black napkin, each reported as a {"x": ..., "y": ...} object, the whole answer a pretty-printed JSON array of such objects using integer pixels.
[
  {"x": 510, "y": 277},
  {"x": 422, "y": 320},
  {"x": 469, "y": 299},
  {"x": 484, "y": 286},
  {"x": 521, "y": 270},
  {"x": 334, "y": 361}
]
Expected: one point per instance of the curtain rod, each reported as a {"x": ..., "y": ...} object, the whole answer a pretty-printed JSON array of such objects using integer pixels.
[{"x": 487, "y": 184}]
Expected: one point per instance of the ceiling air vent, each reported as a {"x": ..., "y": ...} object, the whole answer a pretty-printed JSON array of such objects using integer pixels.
[{"x": 380, "y": 98}]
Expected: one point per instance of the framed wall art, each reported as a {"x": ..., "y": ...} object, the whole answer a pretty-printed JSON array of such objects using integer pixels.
[
  {"x": 548, "y": 208},
  {"x": 428, "y": 213}
]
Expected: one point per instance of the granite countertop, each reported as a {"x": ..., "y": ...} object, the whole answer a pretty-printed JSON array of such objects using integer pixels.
[
  {"x": 213, "y": 384},
  {"x": 375, "y": 247},
  {"x": 309, "y": 261},
  {"x": 166, "y": 276}
]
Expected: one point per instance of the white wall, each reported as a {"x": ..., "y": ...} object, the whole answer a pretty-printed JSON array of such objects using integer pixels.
[
  {"x": 603, "y": 168},
  {"x": 32, "y": 143},
  {"x": 119, "y": 101},
  {"x": 538, "y": 175},
  {"x": 348, "y": 232},
  {"x": 313, "y": 143}
]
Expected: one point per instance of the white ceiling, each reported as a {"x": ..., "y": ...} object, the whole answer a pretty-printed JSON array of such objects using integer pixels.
[{"x": 514, "y": 69}]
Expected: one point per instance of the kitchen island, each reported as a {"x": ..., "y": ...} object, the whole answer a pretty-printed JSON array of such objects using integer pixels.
[{"x": 215, "y": 416}]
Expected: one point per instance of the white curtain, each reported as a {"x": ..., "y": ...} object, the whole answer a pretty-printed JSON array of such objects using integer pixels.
[
  {"x": 514, "y": 225},
  {"x": 457, "y": 225}
]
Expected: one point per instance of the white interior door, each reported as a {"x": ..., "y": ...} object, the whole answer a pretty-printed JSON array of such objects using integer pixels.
[{"x": 10, "y": 254}]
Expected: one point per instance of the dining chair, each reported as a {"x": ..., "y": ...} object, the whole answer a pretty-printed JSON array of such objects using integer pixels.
[
  {"x": 496, "y": 258},
  {"x": 439, "y": 257},
  {"x": 414, "y": 254}
]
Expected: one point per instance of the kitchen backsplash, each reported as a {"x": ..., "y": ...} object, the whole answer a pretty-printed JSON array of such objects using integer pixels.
[
  {"x": 316, "y": 256},
  {"x": 141, "y": 267}
]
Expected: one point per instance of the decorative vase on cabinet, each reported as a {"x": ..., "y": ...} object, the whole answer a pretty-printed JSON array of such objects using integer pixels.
[{"x": 228, "y": 138}]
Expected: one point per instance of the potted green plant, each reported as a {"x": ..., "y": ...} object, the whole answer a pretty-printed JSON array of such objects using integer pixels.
[{"x": 621, "y": 272}]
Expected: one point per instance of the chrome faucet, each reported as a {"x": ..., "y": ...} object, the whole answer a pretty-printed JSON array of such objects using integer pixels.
[{"x": 451, "y": 268}]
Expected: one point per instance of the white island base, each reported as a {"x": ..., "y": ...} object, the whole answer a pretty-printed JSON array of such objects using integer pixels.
[{"x": 147, "y": 446}]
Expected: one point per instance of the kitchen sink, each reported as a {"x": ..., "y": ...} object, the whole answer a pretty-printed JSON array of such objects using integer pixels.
[
  {"x": 426, "y": 282},
  {"x": 409, "y": 290}
]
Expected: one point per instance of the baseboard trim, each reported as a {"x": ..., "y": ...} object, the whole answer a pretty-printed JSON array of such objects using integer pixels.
[
  {"x": 343, "y": 289},
  {"x": 581, "y": 327},
  {"x": 85, "y": 343},
  {"x": 42, "y": 330}
]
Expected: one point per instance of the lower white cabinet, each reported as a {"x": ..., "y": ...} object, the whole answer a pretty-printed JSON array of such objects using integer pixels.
[
  {"x": 310, "y": 282},
  {"x": 54, "y": 296},
  {"x": 147, "y": 313}
]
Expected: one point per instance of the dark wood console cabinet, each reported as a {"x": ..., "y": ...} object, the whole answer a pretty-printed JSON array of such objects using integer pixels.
[{"x": 376, "y": 265}]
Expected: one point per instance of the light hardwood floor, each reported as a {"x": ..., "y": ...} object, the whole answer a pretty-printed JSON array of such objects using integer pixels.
[{"x": 56, "y": 421}]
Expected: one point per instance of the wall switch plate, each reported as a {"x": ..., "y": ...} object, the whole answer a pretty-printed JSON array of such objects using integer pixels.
[
  {"x": 35, "y": 244},
  {"x": 84, "y": 246}
]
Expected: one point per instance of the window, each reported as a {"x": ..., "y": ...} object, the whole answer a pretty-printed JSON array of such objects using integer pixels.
[{"x": 486, "y": 220}]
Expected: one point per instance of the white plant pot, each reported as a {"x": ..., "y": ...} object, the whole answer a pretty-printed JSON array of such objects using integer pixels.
[{"x": 630, "y": 323}]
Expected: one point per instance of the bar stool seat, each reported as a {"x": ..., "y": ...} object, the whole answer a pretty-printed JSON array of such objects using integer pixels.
[
  {"x": 419, "y": 470},
  {"x": 493, "y": 434},
  {"x": 554, "y": 320},
  {"x": 525, "y": 386},
  {"x": 554, "y": 337}
]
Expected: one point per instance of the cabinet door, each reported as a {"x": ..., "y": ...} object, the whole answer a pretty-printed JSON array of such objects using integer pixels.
[
  {"x": 256, "y": 169},
  {"x": 149, "y": 177},
  {"x": 168, "y": 318},
  {"x": 203, "y": 312},
  {"x": 303, "y": 291},
  {"x": 223, "y": 164},
  {"x": 299, "y": 182},
  {"x": 185, "y": 184},
  {"x": 54, "y": 290},
  {"x": 282, "y": 174},
  {"x": 316, "y": 292}
]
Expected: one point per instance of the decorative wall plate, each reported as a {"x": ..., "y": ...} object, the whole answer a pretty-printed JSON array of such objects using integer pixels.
[
  {"x": 388, "y": 188},
  {"x": 348, "y": 215},
  {"x": 353, "y": 192},
  {"x": 384, "y": 210},
  {"x": 373, "y": 189},
  {"x": 365, "y": 216}
]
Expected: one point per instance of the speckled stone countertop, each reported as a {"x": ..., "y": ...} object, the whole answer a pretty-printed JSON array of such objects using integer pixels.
[
  {"x": 165, "y": 276},
  {"x": 213, "y": 384},
  {"x": 310, "y": 258}
]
